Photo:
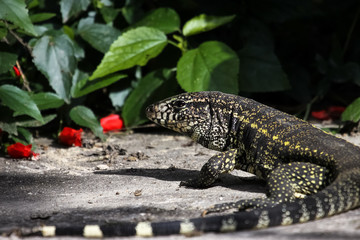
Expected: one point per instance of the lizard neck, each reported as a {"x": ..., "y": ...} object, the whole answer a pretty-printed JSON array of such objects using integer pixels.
[{"x": 228, "y": 118}]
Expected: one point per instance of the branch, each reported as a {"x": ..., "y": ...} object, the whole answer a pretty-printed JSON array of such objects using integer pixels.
[
  {"x": 25, "y": 81},
  {"x": 20, "y": 40}
]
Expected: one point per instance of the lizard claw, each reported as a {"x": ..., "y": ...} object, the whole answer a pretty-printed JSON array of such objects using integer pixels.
[
  {"x": 208, "y": 210},
  {"x": 218, "y": 208},
  {"x": 205, "y": 212}
]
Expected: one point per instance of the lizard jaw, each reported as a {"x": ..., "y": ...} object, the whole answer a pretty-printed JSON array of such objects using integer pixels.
[{"x": 150, "y": 112}]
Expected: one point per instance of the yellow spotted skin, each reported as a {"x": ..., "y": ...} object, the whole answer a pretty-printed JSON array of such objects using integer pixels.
[
  {"x": 296, "y": 159},
  {"x": 310, "y": 174}
]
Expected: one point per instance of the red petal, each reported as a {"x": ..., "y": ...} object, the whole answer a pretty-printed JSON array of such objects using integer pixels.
[
  {"x": 70, "y": 137},
  {"x": 336, "y": 111},
  {"x": 321, "y": 115},
  {"x": 111, "y": 122},
  {"x": 17, "y": 72},
  {"x": 19, "y": 150},
  {"x": 35, "y": 156}
]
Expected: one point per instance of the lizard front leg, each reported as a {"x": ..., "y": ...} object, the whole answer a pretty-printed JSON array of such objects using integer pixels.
[{"x": 220, "y": 163}]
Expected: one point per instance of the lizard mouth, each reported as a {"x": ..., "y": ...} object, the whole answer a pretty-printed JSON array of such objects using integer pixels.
[
  {"x": 163, "y": 119},
  {"x": 150, "y": 112}
]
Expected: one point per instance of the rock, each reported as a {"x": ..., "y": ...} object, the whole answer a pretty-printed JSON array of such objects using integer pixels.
[{"x": 102, "y": 167}]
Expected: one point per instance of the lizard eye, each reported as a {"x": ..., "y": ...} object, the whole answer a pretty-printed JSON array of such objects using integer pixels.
[{"x": 179, "y": 104}]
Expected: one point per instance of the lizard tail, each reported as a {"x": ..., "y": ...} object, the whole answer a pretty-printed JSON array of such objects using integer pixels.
[{"x": 342, "y": 195}]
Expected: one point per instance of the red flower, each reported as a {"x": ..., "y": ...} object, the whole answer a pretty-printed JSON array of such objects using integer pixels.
[
  {"x": 70, "y": 137},
  {"x": 19, "y": 150},
  {"x": 336, "y": 111},
  {"x": 17, "y": 71},
  {"x": 35, "y": 156},
  {"x": 333, "y": 112},
  {"x": 111, "y": 122},
  {"x": 320, "y": 115}
]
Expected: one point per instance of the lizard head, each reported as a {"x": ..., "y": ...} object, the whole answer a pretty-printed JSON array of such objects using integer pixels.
[
  {"x": 192, "y": 114},
  {"x": 181, "y": 113}
]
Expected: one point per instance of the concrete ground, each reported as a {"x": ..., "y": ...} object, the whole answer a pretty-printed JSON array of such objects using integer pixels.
[{"x": 134, "y": 177}]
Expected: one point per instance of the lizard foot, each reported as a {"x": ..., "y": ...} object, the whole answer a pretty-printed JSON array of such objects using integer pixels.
[
  {"x": 222, "y": 207},
  {"x": 194, "y": 183}
]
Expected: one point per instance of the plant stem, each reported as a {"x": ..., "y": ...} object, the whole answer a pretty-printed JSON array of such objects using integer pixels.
[
  {"x": 308, "y": 108},
  {"x": 25, "y": 81},
  {"x": 20, "y": 40},
  {"x": 174, "y": 44}
]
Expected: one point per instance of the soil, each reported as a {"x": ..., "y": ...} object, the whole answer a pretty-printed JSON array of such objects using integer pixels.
[{"x": 134, "y": 177}]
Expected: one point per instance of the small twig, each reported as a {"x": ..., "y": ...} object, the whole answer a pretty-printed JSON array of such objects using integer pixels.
[
  {"x": 20, "y": 40},
  {"x": 174, "y": 44},
  {"x": 308, "y": 108},
  {"x": 25, "y": 81},
  {"x": 4, "y": 39}
]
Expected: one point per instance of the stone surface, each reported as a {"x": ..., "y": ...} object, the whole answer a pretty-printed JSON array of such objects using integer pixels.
[{"x": 140, "y": 182}]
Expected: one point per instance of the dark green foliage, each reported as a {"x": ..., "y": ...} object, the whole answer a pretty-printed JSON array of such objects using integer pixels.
[
  {"x": 107, "y": 54},
  {"x": 352, "y": 112}
]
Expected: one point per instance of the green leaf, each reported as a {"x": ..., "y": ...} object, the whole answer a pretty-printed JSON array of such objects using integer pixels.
[
  {"x": 78, "y": 51},
  {"x": 25, "y": 137},
  {"x": 132, "y": 11},
  {"x": 81, "y": 85},
  {"x": 19, "y": 101},
  {"x": 40, "y": 30},
  {"x": 47, "y": 100},
  {"x": 54, "y": 56},
  {"x": 261, "y": 70},
  {"x": 25, "y": 122},
  {"x": 204, "y": 23},
  {"x": 70, "y": 8},
  {"x": 40, "y": 17},
  {"x": 211, "y": 66},
  {"x": 83, "y": 116},
  {"x": 109, "y": 13},
  {"x": 135, "y": 47},
  {"x": 118, "y": 97},
  {"x": 69, "y": 31},
  {"x": 100, "y": 36},
  {"x": 15, "y": 11},
  {"x": 153, "y": 87},
  {"x": 7, "y": 61},
  {"x": 3, "y": 32},
  {"x": 9, "y": 127},
  {"x": 164, "y": 19},
  {"x": 352, "y": 112},
  {"x": 32, "y": 3},
  {"x": 7, "y": 121},
  {"x": 79, "y": 80}
]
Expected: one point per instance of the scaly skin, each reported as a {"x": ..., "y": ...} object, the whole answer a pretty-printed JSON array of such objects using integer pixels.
[
  {"x": 310, "y": 174},
  {"x": 295, "y": 158}
]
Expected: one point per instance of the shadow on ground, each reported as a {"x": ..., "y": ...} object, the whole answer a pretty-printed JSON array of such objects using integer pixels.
[{"x": 248, "y": 184}]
